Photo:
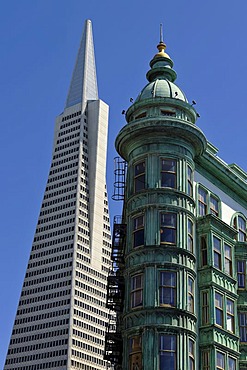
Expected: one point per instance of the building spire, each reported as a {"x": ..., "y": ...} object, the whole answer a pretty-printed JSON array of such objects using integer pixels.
[
  {"x": 161, "y": 32},
  {"x": 161, "y": 45},
  {"x": 83, "y": 84}
]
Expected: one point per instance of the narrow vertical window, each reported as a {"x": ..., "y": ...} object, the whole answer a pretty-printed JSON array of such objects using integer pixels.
[
  {"x": 189, "y": 181},
  {"x": 168, "y": 352},
  {"x": 135, "y": 353},
  {"x": 190, "y": 235},
  {"x": 136, "y": 290},
  {"x": 231, "y": 363},
  {"x": 205, "y": 360},
  {"x": 239, "y": 224},
  {"x": 243, "y": 326},
  {"x": 220, "y": 361},
  {"x": 230, "y": 315},
  {"x": 219, "y": 309},
  {"x": 168, "y": 228},
  {"x": 241, "y": 274},
  {"x": 138, "y": 232},
  {"x": 205, "y": 308},
  {"x": 241, "y": 229},
  {"x": 214, "y": 205},
  {"x": 228, "y": 259},
  {"x": 204, "y": 250},
  {"x": 202, "y": 202},
  {"x": 191, "y": 355},
  {"x": 168, "y": 288},
  {"x": 139, "y": 180},
  {"x": 190, "y": 294},
  {"x": 217, "y": 252},
  {"x": 168, "y": 173}
]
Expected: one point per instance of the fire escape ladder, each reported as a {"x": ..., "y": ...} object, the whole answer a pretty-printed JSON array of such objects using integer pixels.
[
  {"x": 120, "y": 167},
  {"x": 115, "y": 296}
]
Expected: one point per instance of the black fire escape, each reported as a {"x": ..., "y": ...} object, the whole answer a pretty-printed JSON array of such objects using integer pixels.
[{"x": 115, "y": 281}]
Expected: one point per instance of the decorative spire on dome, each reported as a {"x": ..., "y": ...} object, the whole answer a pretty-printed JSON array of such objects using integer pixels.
[
  {"x": 161, "y": 64},
  {"x": 161, "y": 45}
]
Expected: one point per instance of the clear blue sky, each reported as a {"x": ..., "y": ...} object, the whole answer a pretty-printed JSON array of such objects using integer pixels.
[{"x": 39, "y": 41}]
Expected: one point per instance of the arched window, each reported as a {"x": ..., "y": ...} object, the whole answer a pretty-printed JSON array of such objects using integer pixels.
[{"x": 239, "y": 223}]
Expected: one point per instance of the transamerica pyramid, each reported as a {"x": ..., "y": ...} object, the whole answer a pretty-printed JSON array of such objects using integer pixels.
[{"x": 61, "y": 316}]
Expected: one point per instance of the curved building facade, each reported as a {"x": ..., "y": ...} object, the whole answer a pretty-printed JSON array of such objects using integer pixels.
[{"x": 184, "y": 247}]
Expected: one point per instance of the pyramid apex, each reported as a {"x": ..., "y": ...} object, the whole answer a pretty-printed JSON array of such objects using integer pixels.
[{"x": 83, "y": 84}]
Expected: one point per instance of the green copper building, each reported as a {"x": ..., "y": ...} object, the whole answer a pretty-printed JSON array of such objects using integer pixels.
[{"x": 180, "y": 247}]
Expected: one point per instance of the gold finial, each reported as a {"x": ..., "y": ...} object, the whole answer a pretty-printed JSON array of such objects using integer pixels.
[{"x": 161, "y": 46}]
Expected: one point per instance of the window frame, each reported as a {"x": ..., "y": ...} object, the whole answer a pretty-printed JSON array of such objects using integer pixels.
[
  {"x": 205, "y": 360},
  {"x": 225, "y": 313},
  {"x": 230, "y": 315},
  {"x": 235, "y": 363},
  {"x": 217, "y": 252},
  {"x": 222, "y": 260},
  {"x": 218, "y": 366},
  {"x": 208, "y": 203},
  {"x": 219, "y": 309},
  {"x": 136, "y": 290},
  {"x": 190, "y": 234},
  {"x": 190, "y": 294},
  {"x": 227, "y": 259},
  {"x": 168, "y": 172},
  {"x": 242, "y": 326},
  {"x": 138, "y": 230},
  {"x": 213, "y": 210},
  {"x": 202, "y": 201},
  {"x": 241, "y": 274},
  {"x": 190, "y": 178},
  {"x": 166, "y": 287},
  {"x": 164, "y": 228},
  {"x": 242, "y": 233},
  {"x": 205, "y": 313},
  {"x": 172, "y": 350},
  {"x": 204, "y": 250},
  {"x": 139, "y": 175},
  {"x": 135, "y": 351},
  {"x": 191, "y": 344}
]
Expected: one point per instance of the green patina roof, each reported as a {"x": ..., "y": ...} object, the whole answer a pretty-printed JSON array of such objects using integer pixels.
[
  {"x": 161, "y": 88},
  {"x": 161, "y": 78}
]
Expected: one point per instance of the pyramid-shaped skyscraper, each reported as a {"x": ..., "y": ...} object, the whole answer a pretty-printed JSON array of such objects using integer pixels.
[{"x": 61, "y": 316}]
